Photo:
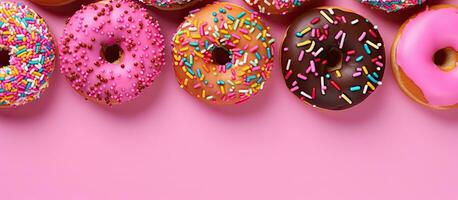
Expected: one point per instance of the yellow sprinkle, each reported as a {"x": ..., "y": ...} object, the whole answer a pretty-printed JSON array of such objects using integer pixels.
[
  {"x": 372, "y": 44},
  {"x": 306, "y": 30},
  {"x": 327, "y": 17},
  {"x": 370, "y": 85},
  {"x": 186, "y": 82},
  {"x": 247, "y": 37},
  {"x": 310, "y": 49},
  {"x": 338, "y": 74},
  {"x": 189, "y": 75},
  {"x": 203, "y": 94},
  {"x": 365, "y": 70},
  {"x": 348, "y": 100},
  {"x": 184, "y": 49},
  {"x": 195, "y": 36},
  {"x": 223, "y": 31},
  {"x": 198, "y": 54},
  {"x": 301, "y": 44},
  {"x": 36, "y": 73},
  {"x": 222, "y": 89}
]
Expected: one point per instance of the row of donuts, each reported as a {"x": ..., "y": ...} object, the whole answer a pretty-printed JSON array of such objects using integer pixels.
[
  {"x": 331, "y": 58},
  {"x": 278, "y": 7}
]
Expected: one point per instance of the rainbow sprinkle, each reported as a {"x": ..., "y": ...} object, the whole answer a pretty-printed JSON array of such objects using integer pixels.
[
  {"x": 25, "y": 35},
  {"x": 168, "y": 4},
  {"x": 392, "y": 5},
  {"x": 275, "y": 6},
  {"x": 320, "y": 36},
  {"x": 249, "y": 46}
]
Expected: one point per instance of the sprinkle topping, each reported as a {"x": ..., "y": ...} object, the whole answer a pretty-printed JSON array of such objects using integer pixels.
[
  {"x": 234, "y": 33},
  {"x": 275, "y": 6},
  {"x": 168, "y": 4},
  {"x": 333, "y": 59},
  {"x": 27, "y": 51},
  {"x": 392, "y": 5},
  {"x": 111, "y": 51}
]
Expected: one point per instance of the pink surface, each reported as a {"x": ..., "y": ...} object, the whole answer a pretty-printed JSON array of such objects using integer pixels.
[
  {"x": 438, "y": 87},
  {"x": 168, "y": 146}
]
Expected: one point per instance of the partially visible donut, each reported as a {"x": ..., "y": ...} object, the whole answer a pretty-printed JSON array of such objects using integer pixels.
[
  {"x": 332, "y": 58},
  {"x": 26, "y": 54},
  {"x": 276, "y": 7},
  {"x": 392, "y": 5},
  {"x": 223, "y": 54},
  {"x": 425, "y": 62},
  {"x": 52, "y": 2},
  {"x": 111, "y": 51},
  {"x": 170, "y": 4}
]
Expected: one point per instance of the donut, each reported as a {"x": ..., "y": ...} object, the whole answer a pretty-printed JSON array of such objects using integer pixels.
[
  {"x": 111, "y": 51},
  {"x": 332, "y": 58},
  {"x": 276, "y": 7},
  {"x": 52, "y": 2},
  {"x": 26, "y": 54},
  {"x": 430, "y": 77},
  {"x": 392, "y": 5},
  {"x": 223, "y": 54},
  {"x": 170, "y": 4}
]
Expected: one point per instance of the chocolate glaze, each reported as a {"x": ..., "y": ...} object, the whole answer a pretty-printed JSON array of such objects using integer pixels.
[{"x": 346, "y": 82}]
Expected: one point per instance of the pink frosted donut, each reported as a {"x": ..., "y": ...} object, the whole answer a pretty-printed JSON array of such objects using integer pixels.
[
  {"x": 424, "y": 57},
  {"x": 27, "y": 54},
  {"x": 111, "y": 51}
]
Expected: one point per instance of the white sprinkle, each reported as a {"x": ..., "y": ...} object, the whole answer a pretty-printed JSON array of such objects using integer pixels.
[
  {"x": 288, "y": 64},
  {"x": 342, "y": 40},
  {"x": 306, "y": 95}
]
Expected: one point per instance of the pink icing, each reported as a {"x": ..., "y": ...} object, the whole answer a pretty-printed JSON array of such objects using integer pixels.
[
  {"x": 121, "y": 22},
  {"x": 425, "y": 34}
]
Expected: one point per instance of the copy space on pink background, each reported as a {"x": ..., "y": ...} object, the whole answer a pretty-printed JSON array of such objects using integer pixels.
[{"x": 168, "y": 146}]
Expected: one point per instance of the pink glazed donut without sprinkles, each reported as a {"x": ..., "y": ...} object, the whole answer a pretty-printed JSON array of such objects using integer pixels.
[
  {"x": 111, "y": 51},
  {"x": 424, "y": 57}
]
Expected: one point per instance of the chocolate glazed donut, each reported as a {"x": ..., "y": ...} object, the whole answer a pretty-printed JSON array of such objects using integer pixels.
[{"x": 332, "y": 59}]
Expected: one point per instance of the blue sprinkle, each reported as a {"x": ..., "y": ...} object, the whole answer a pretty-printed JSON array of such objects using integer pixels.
[
  {"x": 355, "y": 88},
  {"x": 258, "y": 56},
  {"x": 372, "y": 79},
  {"x": 359, "y": 59},
  {"x": 241, "y": 15},
  {"x": 366, "y": 48}
]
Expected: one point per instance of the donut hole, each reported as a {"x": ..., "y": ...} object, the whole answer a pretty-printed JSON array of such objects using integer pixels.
[
  {"x": 112, "y": 53},
  {"x": 221, "y": 55},
  {"x": 335, "y": 60},
  {"x": 445, "y": 59},
  {"x": 4, "y": 57}
]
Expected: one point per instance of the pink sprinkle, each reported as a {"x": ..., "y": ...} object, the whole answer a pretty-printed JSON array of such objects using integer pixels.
[
  {"x": 254, "y": 49},
  {"x": 315, "y": 20},
  {"x": 301, "y": 55},
  {"x": 361, "y": 38},
  {"x": 301, "y": 77},
  {"x": 295, "y": 88}
]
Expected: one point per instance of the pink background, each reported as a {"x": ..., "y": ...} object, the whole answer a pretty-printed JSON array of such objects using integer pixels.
[{"x": 168, "y": 146}]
